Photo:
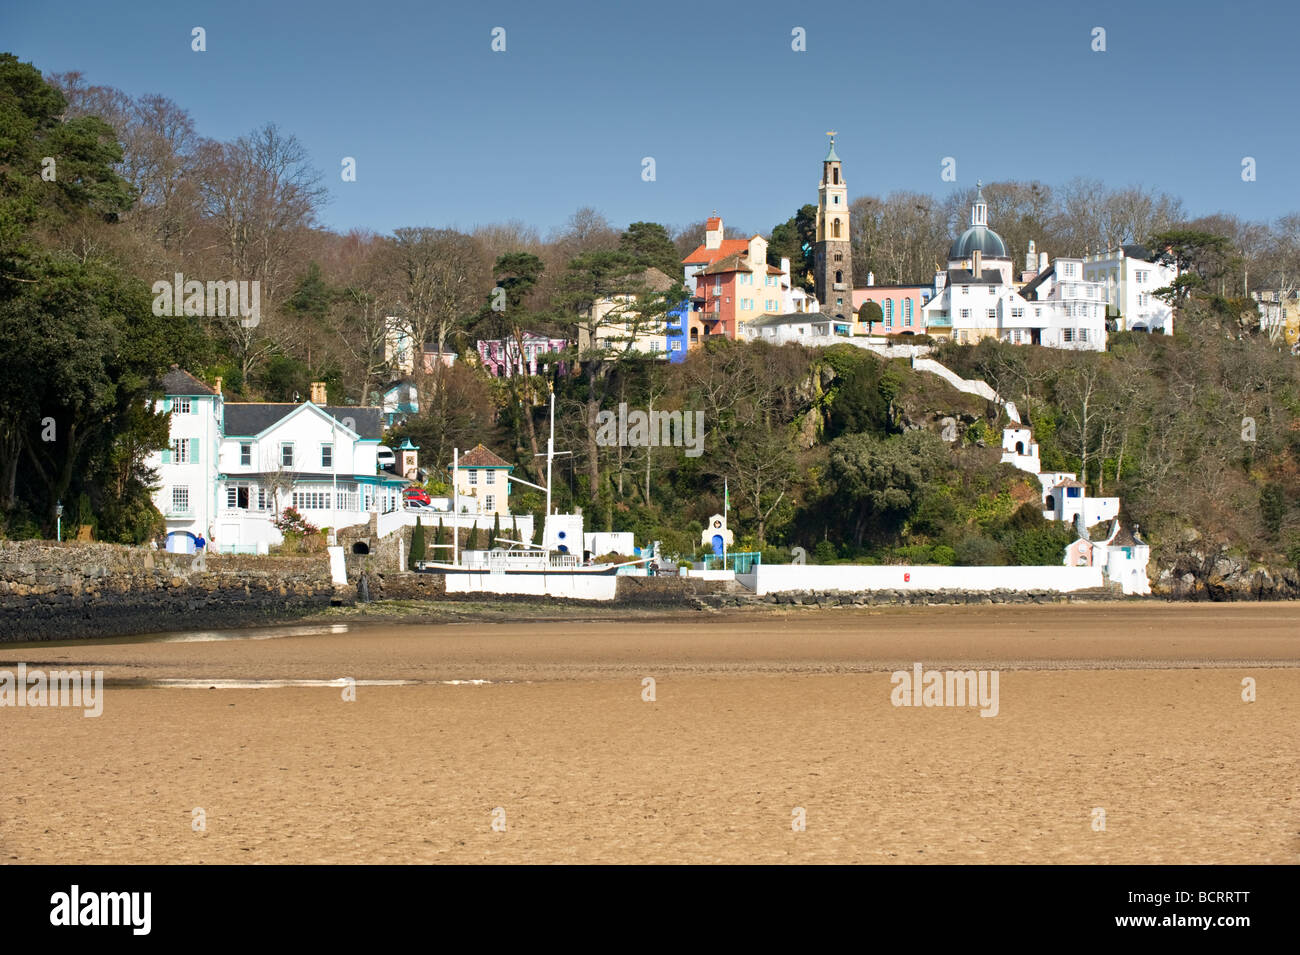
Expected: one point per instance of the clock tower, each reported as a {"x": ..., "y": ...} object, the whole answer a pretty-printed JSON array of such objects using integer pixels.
[{"x": 833, "y": 267}]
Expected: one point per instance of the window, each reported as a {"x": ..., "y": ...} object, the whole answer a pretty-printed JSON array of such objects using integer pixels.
[
  {"x": 835, "y": 200},
  {"x": 245, "y": 455},
  {"x": 993, "y": 313},
  {"x": 677, "y": 345},
  {"x": 1069, "y": 334},
  {"x": 327, "y": 457},
  {"x": 1143, "y": 299},
  {"x": 835, "y": 176},
  {"x": 839, "y": 276},
  {"x": 181, "y": 450},
  {"x": 839, "y": 256},
  {"x": 347, "y": 496},
  {"x": 1083, "y": 334},
  {"x": 1017, "y": 313},
  {"x": 965, "y": 313},
  {"x": 180, "y": 500},
  {"x": 312, "y": 499},
  {"x": 182, "y": 406},
  {"x": 889, "y": 311},
  {"x": 1141, "y": 276},
  {"x": 1069, "y": 270},
  {"x": 836, "y": 228},
  {"x": 473, "y": 476},
  {"x": 286, "y": 455},
  {"x": 907, "y": 310},
  {"x": 263, "y": 502},
  {"x": 490, "y": 502}
]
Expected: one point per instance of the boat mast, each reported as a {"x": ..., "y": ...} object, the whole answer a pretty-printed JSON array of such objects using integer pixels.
[{"x": 455, "y": 507}]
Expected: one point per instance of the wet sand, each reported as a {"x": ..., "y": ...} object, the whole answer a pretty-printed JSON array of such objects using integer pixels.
[{"x": 1135, "y": 709}]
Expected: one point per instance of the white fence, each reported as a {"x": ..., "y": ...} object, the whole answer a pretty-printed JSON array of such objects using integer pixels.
[{"x": 850, "y": 578}]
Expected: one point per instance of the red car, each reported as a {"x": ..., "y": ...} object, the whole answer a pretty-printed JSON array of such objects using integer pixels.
[{"x": 416, "y": 494}]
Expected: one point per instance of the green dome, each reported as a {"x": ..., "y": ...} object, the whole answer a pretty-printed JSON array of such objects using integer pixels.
[{"x": 980, "y": 239}]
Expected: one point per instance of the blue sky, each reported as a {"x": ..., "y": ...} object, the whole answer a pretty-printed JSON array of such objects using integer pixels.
[{"x": 446, "y": 132}]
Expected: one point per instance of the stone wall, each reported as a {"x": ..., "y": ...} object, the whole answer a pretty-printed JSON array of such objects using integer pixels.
[{"x": 52, "y": 591}]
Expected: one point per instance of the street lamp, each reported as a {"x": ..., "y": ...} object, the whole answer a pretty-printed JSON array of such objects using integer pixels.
[{"x": 58, "y": 514}]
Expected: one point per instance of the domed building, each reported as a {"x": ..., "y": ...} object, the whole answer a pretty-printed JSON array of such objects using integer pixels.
[
  {"x": 977, "y": 297},
  {"x": 980, "y": 244}
]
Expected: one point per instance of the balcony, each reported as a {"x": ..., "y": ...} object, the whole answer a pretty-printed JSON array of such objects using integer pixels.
[{"x": 939, "y": 321}]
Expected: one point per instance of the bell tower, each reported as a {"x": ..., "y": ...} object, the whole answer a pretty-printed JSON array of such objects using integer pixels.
[{"x": 833, "y": 265}]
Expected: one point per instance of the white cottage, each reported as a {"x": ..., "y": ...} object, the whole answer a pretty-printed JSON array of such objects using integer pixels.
[{"x": 234, "y": 467}]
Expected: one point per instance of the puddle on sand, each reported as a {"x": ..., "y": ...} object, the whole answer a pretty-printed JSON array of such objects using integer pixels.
[{"x": 190, "y": 636}]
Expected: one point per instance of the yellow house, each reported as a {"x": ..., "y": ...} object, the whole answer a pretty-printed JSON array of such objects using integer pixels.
[
  {"x": 481, "y": 483},
  {"x": 618, "y": 328}
]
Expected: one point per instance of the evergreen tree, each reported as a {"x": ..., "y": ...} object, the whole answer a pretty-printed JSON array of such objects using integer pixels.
[
  {"x": 417, "y": 542},
  {"x": 496, "y": 532},
  {"x": 473, "y": 539},
  {"x": 440, "y": 538}
]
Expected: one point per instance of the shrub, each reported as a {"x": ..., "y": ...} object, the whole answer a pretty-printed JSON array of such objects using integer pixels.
[
  {"x": 943, "y": 554},
  {"x": 976, "y": 551}
]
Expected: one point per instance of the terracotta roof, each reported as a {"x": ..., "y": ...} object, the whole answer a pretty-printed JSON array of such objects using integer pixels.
[
  {"x": 178, "y": 382},
  {"x": 728, "y": 247},
  {"x": 713, "y": 222},
  {"x": 732, "y": 263},
  {"x": 481, "y": 457},
  {"x": 1068, "y": 482}
]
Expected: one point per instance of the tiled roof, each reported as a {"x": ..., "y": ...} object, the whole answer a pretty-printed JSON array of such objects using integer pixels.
[
  {"x": 178, "y": 382},
  {"x": 247, "y": 418},
  {"x": 481, "y": 457},
  {"x": 655, "y": 280},
  {"x": 1030, "y": 291},
  {"x": 728, "y": 247}
]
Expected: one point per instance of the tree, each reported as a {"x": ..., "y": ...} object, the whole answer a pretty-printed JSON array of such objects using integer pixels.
[
  {"x": 439, "y": 277},
  {"x": 496, "y": 532},
  {"x": 418, "y": 548},
  {"x": 475, "y": 542},
  {"x": 795, "y": 239},
  {"x": 650, "y": 245},
  {"x": 879, "y": 482}
]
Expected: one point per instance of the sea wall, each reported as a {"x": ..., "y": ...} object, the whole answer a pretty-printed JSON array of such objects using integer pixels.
[{"x": 52, "y": 591}]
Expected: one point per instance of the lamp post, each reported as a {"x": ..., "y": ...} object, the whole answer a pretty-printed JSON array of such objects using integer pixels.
[{"x": 58, "y": 515}]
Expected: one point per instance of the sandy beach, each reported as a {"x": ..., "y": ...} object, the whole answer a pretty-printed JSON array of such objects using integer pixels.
[{"x": 1131, "y": 708}]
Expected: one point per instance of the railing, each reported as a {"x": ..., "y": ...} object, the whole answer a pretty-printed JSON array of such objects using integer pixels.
[
  {"x": 742, "y": 562},
  {"x": 237, "y": 548}
]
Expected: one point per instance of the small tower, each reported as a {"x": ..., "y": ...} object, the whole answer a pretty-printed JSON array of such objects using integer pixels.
[
  {"x": 409, "y": 459},
  {"x": 833, "y": 268}
]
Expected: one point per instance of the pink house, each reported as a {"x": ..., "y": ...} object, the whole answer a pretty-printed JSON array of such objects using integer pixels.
[
  {"x": 502, "y": 357},
  {"x": 900, "y": 307}
]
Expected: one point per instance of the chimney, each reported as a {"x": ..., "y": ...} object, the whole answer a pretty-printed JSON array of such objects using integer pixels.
[
  {"x": 1030, "y": 257},
  {"x": 977, "y": 264},
  {"x": 318, "y": 393},
  {"x": 1042, "y": 262},
  {"x": 217, "y": 385},
  {"x": 871, "y": 278}
]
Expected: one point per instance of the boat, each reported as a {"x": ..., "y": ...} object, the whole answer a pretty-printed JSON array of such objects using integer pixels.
[{"x": 550, "y": 568}]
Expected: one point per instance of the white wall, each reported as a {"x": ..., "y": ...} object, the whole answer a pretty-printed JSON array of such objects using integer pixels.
[
  {"x": 779, "y": 578},
  {"x": 573, "y": 586}
]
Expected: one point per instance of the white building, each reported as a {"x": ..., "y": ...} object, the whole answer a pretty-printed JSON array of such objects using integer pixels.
[
  {"x": 1131, "y": 278},
  {"x": 1123, "y": 557},
  {"x": 234, "y": 467},
  {"x": 808, "y": 328},
  {"x": 1063, "y": 497},
  {"x": 977, "y": 296}
]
